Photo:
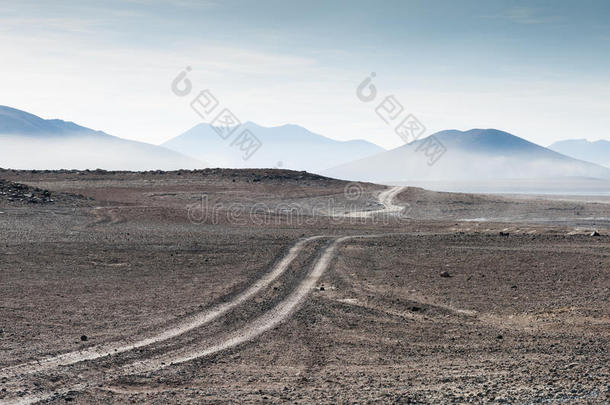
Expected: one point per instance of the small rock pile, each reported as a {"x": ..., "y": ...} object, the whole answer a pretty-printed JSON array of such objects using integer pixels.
[{"x": 11, "y": 191}]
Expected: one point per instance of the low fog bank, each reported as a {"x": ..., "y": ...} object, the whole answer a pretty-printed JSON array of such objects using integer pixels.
[
  {"x": 550, "y": 187},
  {"x": 458, "y": 166},
  {"x": 478, "y": 160},
  {"x": 86, "y": 151}
]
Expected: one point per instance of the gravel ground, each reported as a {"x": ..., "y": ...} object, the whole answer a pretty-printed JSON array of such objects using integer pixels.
[{"x": 458, "y": 303}]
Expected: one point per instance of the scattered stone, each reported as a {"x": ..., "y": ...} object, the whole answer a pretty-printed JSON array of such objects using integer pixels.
[
  {"x": 499, "y": 337},
  {"x": 322, "y": 288},
  {"x": 20, "y": 192},
  {"x": 502, "y": 233},
  {"x": 445, "y": 274},
  {"x": 84, "y": 338},
  {"x": 594, "y": 233}
]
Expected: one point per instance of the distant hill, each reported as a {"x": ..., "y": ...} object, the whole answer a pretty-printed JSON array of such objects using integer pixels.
[
  {"x": 595, "y": 152},
  {"x": 286, "y": 146},
  {"x": 30, "y": 142},
  {"x": 17, "y": 122},
  {"x": 477, "y": 154}
]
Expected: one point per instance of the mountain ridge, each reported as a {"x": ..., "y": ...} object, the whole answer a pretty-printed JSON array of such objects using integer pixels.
[
  {"x": 31, "y": 142},
  {"x": 25, "y": 123},
  {"x": 287, "y": 146},
  {"x": 468, "y": 155},
  {"x": 594, "y": 151}
]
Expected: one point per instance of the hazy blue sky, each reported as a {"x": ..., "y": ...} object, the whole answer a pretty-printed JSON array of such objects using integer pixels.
[{"x": 538, "y": 69}]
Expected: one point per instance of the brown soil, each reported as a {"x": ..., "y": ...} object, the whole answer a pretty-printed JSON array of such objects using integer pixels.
[{"x": 468, "y": 298}]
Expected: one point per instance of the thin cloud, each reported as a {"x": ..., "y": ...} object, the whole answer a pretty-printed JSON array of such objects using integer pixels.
[{"x": 529, "y": 15}]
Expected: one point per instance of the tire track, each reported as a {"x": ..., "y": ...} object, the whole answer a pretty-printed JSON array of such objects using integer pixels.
[
  {"x": 251, "y": 331},
  {"x": 260, "y": 325},
  {"x": 194, "y": 322}
]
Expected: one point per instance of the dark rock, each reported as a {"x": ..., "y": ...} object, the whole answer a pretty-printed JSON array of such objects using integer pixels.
[
  {"x": 504, "y": 233},
  {"x": 84, "y": 338},
  {"x": 445, "y": 274}
]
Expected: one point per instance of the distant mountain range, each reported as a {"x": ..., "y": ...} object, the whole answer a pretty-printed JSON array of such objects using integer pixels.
[
  {"x": 30, "y": 142},
  {"x": 483, "y": 155},
  {"x": 595, "y": 152},
  {"x": 477, "y": 154},
  {"x": 286, "y": 146}
]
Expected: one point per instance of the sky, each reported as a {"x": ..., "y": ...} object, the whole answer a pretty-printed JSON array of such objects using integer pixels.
[{"x": 537, "y": 69}]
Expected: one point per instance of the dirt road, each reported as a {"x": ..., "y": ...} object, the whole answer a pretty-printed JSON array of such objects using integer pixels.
[
  {"x": 386, "y": 198},
  {"x": 251, "y": 331},
  {"x": 196, "y": 321}
]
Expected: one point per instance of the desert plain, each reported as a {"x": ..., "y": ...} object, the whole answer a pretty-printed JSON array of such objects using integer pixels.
[{"x": 275, "y": 286}]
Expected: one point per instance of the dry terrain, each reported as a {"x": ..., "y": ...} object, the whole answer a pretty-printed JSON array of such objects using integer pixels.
[{"x": 273, "y": 286}]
